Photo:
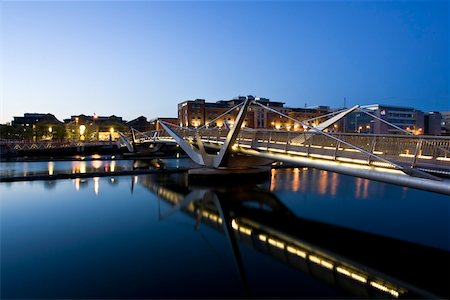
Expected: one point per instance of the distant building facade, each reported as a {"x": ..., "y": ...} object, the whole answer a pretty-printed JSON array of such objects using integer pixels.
[
  {"x": 195, "y": 113},
  {"x": 140, "y": 124},
  {"x": 445, "y": 123},
  {"x": 37, "y": 127},
  {"x": 406, "y": 118},
  {"x": 83, "y": 127},
  {"x": 28, "y": 119},
  {"x": 433, "y": 123}
]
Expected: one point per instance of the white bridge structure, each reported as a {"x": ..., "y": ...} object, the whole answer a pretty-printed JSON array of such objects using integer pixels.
[{"x": 407, "y": 160}]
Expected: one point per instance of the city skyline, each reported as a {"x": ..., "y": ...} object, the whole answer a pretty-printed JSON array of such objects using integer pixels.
[{"x": 143, "y": 58}]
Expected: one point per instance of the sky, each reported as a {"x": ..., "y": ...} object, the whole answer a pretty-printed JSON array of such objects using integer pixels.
[{"x": 133, "y": 58}]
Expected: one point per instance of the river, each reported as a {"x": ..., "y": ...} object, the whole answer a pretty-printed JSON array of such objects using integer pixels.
[{"x": 302, "y": 233}]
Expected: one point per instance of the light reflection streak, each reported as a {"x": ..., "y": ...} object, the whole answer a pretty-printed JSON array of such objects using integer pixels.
[
  {"x": 323, "y": 182},
  {"x": 96, "y": 164},
  {"x": 96, "y": 185},
  {"x": 273, "y": 173},
  {"x": 296, "y": 180},
  {"x": 78, "y": 167},
  {"x": 51, "y": 166},
  {"x": 333, "y": 183}
]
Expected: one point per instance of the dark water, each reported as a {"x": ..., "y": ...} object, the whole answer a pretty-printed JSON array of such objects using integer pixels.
[{"x": 303, "y": 233}]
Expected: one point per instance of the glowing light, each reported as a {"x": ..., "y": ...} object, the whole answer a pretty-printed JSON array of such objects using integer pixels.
[
  {"x": 82, "y": 129},
  {"x": 443, "y": 158},
  {"x": 296, "y": 251},
  {"x": 321, "y": 156},
  {"x": 51, "y": 166},
  {"x": 262, "y": 237},
  {"x": 111, "y": 130},
  {"x": 351, "y": 274},
  {"x": 113, "y": 166},
  {"x": 245, "y": 230},
  {"x": 96, "y": 185},
  {"x": 234, "y": 225},
  {"x": 384, "y": 288},
  {"x": 96, "y": 164},
  {"x": 353, "y": 160},
  {"x": 425, "y": 157},
  {"x": 50, "y": 129},
  {"x": 276, "y": 243}
]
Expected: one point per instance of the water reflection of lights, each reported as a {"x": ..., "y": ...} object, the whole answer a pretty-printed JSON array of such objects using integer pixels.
[
  {"x": 78, "y": 167},
  {"x": 51, "y": 167},
  {"x": 323, "y": 182},
  {"x": 273, "y": 173},
  {"x": 113, "y": 166},
  {"x": 325, "y": 261},
  {"x": 96, "y": 185},
  {"x": 302, "y": 252},
  {"x": 77, "y": 184},
  {"x": 96, "y": 164},
  {"x": 296, "y": 180},
  {"x": 362, "y": 188},
  {"x": 291, "y": 247}
]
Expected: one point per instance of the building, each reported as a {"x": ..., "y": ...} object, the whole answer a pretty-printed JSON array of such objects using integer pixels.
[
  {"x": 445, "y": 123},
  {"x": 28, "y": 119},
  {"x": 140, "y": 124},
  {"x": 82, "y": 127},
  {"x": 195, "y": 113},
  {"x": 198, "y": 112},
  {"x": 433, "y": 123},
  {"x": 406, "y": 118},
  {"x": 37, "y": 127}
]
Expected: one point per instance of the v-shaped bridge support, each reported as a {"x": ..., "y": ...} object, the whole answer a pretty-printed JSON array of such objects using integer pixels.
[{"x": 199, "y": 155}]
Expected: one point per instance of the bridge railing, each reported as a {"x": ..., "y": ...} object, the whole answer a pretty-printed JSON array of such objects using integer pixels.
[
  {"x": 400, "y": 149},
  {"x": 407, "y": 150}
]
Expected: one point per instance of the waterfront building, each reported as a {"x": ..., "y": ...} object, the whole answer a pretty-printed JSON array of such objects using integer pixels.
[
  {"x": 198, "y": 112},
  {"x": 195, "y": 113},
  {"x": 407, "y": 118},
  {"x": 140, "y": 124},
  {"x": 82, "y": 127},
  {"x": 28, "y": 119},
  {"x": 36, "y": 127},
  {"x": 445, "y": 123},
  {"x": 433, "y": 123}
]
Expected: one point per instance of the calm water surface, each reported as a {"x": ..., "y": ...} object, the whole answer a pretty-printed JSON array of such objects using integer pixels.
[{"x": 303, "y": 233}]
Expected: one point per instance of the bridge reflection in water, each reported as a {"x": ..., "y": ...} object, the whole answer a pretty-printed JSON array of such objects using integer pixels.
[{"x": 362, "y": 264}]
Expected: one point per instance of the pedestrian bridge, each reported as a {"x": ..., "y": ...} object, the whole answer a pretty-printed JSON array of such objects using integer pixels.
[{"x": 408, "y": 160}]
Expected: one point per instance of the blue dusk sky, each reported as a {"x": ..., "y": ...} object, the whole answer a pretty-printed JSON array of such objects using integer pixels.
[{"x": 133, "y": 58}]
